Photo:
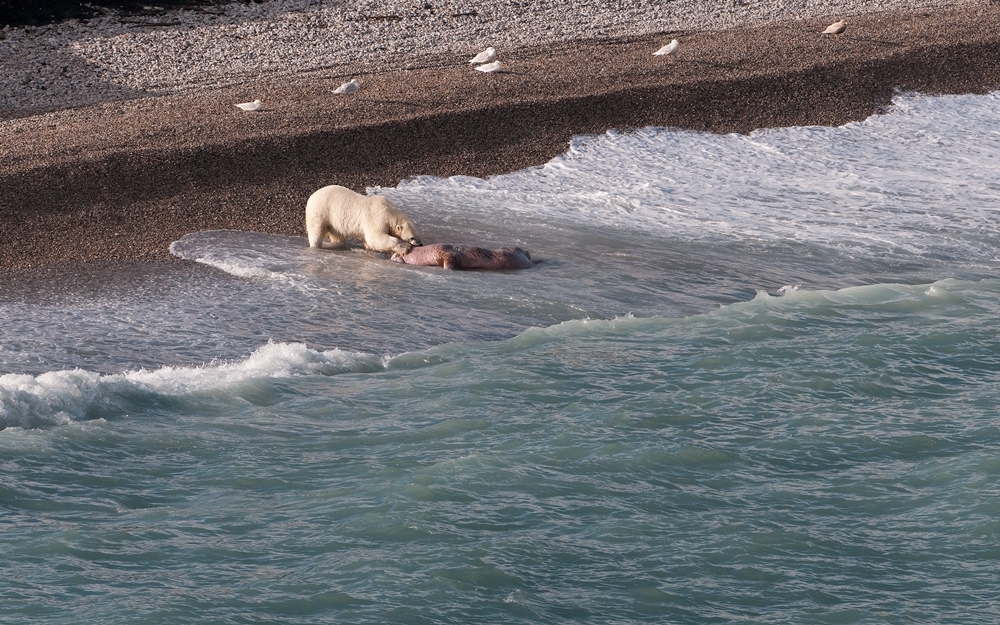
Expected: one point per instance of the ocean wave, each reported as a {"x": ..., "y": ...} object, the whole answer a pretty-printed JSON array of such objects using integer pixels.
[
  {"x": 59, "y": 397},
  {"x": 950, "y": 297}
]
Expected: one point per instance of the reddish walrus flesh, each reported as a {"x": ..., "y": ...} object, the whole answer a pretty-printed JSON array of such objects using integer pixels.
[{"x": 466, "y": 257}]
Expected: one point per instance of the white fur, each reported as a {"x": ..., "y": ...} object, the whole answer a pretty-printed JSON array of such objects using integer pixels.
[{"x": 341, "y": 215}]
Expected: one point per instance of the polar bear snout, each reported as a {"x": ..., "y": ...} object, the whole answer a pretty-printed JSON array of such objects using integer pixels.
[{"x": 415, "y": 242}]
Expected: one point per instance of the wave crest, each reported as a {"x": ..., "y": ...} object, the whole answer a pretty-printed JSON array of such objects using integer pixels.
[{"x": 59, "y": 397}]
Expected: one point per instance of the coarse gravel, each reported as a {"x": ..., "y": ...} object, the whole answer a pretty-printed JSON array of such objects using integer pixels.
[{"x": 77, "y": 63}]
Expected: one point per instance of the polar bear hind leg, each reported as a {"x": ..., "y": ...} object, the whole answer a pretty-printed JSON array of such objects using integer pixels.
[{"x": 318, "y": 233}]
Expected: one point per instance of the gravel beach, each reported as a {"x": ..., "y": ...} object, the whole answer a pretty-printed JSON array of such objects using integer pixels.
[{"x": 119, "y": 135}]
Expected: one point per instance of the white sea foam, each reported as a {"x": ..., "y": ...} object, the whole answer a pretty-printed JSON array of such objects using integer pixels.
[
  {"x": 262, "y": 256},
  {"x": 920, "y": 179},
  {"x": 50, "y": 399},
  {"x": 274, "y": 360},
  {"x": 60, "y": 397}
]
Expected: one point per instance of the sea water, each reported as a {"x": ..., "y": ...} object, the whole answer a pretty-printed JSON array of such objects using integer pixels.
[{"x": 754, "y": 379}]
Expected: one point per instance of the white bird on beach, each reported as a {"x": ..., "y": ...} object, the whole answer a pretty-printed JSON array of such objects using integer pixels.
[
  {"x": 486, "y": 56},
  {"x": 835, "y": 28},
  {"x": 251, "y": 106},
  {"x": 495, "y": 66},
  {"x": 348, "y": 87},
  {"x": 670, "y": 48}
]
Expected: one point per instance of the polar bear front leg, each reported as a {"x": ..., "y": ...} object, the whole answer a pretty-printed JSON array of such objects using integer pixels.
[
  {"x": 316, "y": 235},
  {"x": 382, "y": 242}
]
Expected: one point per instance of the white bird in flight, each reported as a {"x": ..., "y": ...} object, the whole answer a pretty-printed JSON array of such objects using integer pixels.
[
  {"x": 348, "y": 87},
  {"x": 835, "y": 28},
  {"x": 670, "y": 48},
  {"x": 251, "y": 106},
  {"x": 486, "y": 56},
  {"x": 495, "y": 66}
]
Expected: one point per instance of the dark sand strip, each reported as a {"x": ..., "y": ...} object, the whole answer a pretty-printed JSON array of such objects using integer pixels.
[{"x": 116, "y": 183}]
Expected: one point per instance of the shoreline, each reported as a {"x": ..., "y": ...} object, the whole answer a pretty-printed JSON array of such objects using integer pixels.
[{"x": 116, "y": 183}]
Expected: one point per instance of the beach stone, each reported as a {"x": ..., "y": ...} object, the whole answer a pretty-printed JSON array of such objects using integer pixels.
[{"x": 113, "y": 48}]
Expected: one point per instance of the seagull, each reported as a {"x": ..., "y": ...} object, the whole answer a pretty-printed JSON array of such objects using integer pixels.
[
  {"x": 348, "y": 87},
  {"x": 251, "y": 106},
  {"x": 670, "y": 48},
  {"x": 835, "y": 28},
  {"x": 495, "y": 66},
  {"x": 487, "y": 55}
]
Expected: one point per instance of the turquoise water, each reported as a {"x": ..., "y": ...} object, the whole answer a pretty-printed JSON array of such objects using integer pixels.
[{"x": 755, "y": 379}]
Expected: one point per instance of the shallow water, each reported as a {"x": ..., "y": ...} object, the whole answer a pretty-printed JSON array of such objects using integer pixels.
[{"x": 753, "y": 379}]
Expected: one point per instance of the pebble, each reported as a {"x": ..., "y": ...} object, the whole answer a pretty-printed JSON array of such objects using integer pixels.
[{"x": 75, "y": 63}]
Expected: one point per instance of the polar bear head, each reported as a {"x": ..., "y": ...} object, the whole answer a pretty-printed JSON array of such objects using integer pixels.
[{"x": 404, "y": 230}]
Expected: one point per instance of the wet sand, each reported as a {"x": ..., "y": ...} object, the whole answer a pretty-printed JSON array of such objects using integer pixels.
[{"x": 114, "y": 184}]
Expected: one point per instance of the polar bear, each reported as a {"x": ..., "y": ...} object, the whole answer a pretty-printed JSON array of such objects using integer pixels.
[{"x": 341, "y": 214}]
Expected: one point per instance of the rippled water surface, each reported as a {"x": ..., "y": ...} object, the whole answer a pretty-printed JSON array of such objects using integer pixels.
[{"x": 754, "y": 379}]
